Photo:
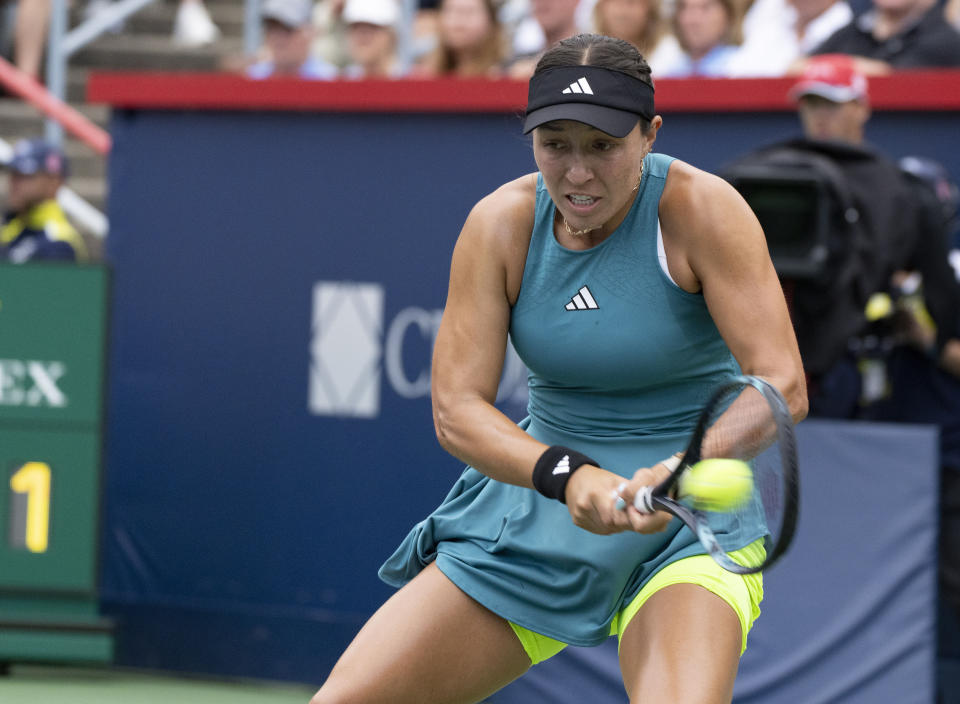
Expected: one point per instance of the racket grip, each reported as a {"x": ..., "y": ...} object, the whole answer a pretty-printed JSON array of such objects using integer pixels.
[{"x": 643, "y": 500}]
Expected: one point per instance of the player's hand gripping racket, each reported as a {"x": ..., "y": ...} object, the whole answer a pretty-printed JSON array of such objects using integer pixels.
[{"x": 746, "y": 420}]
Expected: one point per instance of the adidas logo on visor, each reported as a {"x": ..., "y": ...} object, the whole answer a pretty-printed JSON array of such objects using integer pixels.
[{"x": 579, "y": 86}]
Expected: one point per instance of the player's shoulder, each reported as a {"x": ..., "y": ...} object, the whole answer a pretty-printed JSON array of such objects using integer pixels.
[
  {"x": 512, "y": 202},
  {"x": 696, "y": 192},
  {"x": 507, "y": 213}
]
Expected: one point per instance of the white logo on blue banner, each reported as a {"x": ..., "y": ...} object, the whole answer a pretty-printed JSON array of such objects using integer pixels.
[
  {"x": 346, "y": 349},
  {"x": 350, "y": 352}
]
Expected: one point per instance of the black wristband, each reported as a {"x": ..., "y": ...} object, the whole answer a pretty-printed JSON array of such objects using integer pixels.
[{"x": 554, "y": 469}]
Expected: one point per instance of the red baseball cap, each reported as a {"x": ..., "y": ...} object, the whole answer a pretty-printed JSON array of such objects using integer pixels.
[{"x": 831, "y": 76}]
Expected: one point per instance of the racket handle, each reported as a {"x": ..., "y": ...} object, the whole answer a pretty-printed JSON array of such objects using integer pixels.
[{"x": 643, "y": 500}]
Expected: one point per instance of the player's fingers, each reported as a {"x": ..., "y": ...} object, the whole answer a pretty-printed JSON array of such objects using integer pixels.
[
  {"x": 627, "y": 492},
  {"x": 594, "y": 511},
  {"x": 652, "y": 475},
  {"x": 620, "y": 502},
  {"x": 615, "y": 514},
  {"x": 647, "y": 522}
]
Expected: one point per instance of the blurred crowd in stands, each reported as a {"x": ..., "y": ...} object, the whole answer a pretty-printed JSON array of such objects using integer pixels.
[
  {"x": 24, "y": 25},
  {"x": 680, "y": 38},
  {"x": 326, "y": 39}
]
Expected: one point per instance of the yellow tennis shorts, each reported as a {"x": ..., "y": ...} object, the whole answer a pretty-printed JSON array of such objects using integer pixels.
[{"x": 743, "y": 592}]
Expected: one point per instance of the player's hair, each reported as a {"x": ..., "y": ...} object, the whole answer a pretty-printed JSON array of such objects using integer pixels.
[
  {"x": 597, "y": 50},
  {"x": 601, "y": 51}
]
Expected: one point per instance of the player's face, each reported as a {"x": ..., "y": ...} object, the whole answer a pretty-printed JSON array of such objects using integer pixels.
[{"x": 590, "y": 175}]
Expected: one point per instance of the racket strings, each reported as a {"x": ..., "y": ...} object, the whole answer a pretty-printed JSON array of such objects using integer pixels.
[
  {"x": 744, "y": 426},
  {"x": 741, "y": 425}
]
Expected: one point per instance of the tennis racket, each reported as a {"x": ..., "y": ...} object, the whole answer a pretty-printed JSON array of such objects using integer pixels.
[{"x": 745, "y": 419}]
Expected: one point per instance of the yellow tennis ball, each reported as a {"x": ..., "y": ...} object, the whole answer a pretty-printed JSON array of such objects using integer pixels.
[{"x": 717, "y": 484}]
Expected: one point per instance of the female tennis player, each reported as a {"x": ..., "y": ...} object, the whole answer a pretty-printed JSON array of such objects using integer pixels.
[{"x": 631, "y": 285}]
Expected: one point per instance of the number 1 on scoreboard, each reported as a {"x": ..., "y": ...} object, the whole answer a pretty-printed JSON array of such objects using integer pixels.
[{"x": 30, "y": 528}]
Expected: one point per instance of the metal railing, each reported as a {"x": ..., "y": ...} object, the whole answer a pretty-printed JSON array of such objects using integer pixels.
[{"x": 63, "y": 42}]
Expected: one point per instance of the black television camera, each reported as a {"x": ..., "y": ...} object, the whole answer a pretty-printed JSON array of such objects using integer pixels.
[{"x": 804, "y": 208}]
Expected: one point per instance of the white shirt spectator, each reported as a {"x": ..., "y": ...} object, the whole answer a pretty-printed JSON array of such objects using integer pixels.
[
  {"x": 527, "y": 34},
  {"x": 771, "y": 43}
]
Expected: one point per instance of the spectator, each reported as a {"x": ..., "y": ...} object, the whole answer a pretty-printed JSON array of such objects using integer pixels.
[
  {"x": 952, "y": 12},
  {"x": 882, "y": 225},
  {"x": 897, "y": 34},
  {"x": 639, "y": 22},
  {"x": 30, "y": 35},
  {"x": 288, "y": 36},
  {"x": 470, "y": 41},
  {"x": 551, "y": 21},
  {"x": 35, "y": 226},
  {"x": 815, "y": 20},
  {"x": 372, "y": 38},
  {"x": 643, "y": 24},
  {"x": 778, "y": 33},
  {"x": 330, "y": 33},
  {"x": 192, "y": 25},
  {"x": 708, "y": 32},
  {"x": 423, "y": 33}
]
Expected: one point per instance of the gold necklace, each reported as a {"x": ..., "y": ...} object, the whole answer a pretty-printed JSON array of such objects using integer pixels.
[{"x": 581, "y": 233}]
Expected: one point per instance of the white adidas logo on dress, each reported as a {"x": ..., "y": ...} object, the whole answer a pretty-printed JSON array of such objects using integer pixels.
[
  {"x": 563, "y": 466},
  {"x": 579, "y": 86},
  {"x": 582, "y": 301}
]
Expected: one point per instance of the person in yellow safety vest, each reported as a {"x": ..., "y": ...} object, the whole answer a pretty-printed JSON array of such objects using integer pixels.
[{"x": 34, "y": 225}]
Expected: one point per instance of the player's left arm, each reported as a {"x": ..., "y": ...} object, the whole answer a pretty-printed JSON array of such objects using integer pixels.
[{"x": 715, "y": 244}]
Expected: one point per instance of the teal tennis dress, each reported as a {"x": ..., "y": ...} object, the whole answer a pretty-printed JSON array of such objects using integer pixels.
[{"x": 621, "y": 360}]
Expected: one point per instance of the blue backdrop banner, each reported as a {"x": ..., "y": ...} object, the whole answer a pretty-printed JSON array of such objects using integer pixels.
[{"x": 277, "y": 288}]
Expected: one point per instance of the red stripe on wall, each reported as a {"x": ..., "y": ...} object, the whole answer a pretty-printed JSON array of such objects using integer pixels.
[{"x": 927, "y": 90}]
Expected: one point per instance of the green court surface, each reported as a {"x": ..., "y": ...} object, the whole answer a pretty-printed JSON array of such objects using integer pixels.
[{"x": 52, "y": 685}]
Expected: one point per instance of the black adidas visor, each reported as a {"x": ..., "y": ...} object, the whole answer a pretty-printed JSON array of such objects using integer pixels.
[{"x": 608, "y": 100}]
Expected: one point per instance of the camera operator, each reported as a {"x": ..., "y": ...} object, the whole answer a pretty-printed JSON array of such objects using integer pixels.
[
  {"x": 879, "y": 222},
  {"x": 925, "y": 388}
]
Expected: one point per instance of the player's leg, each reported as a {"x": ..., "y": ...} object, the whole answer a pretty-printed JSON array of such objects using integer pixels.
[
  {"x": 681, "y": 637},
  {"x": 429, "y": 642},
  {"x": 682, "y": 646}
]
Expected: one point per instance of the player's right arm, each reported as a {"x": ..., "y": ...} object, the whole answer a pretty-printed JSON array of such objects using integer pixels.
[
  {"x": 468, "y": 355},
  {"x": 485, "y": 274}
]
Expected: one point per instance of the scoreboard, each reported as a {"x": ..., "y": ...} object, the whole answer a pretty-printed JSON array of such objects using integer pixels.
[{"x": 53, "y": 325}]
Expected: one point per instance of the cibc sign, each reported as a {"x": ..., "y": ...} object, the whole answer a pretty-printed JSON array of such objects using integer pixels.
[{"x": 355, "y": 353}]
